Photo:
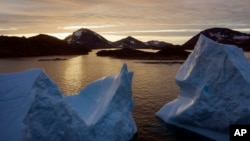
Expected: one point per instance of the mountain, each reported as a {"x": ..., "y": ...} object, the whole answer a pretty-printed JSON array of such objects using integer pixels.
[
  {"x": 40, "y": 45},
  {"x": 130, "y": 42},
  {"x": 222, "y": 35},
  {"x": 158, "y": 44},
  {"x": 88, "y": 39}
]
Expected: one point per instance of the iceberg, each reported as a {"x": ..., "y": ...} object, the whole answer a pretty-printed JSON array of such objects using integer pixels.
[
  {"x": 106, "y": 105},
  {"x": 16, "y": 96},
  {"x": 33, "y": 108},
  {"x": 214, "y": 91}
]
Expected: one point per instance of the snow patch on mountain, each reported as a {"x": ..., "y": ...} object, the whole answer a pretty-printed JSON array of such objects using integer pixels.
[
  {"x": 78, "y": 33},
  {"x": 218, "y": 35},
  {"x": 132, "y": 42}
]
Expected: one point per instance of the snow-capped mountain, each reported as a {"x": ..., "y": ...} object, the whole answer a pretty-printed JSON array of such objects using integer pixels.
[
  {"x": 222, "y": 35},
  {"x": 130, "y": 42},
  {"x": 88, "y": 39}
]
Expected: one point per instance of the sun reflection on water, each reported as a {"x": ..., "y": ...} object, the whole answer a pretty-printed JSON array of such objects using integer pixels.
[{"x": 74, "y": 74}]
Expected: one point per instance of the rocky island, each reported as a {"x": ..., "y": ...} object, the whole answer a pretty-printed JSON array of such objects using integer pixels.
[{"x": 130, "y": 53}]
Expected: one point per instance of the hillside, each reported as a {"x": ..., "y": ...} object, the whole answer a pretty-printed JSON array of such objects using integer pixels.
[{"x": 40, "y": 45}]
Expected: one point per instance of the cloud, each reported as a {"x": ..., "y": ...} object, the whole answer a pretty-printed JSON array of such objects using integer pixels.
[
  {"x": 8, "y": 29},
  {"x": 47, "y": 15}
]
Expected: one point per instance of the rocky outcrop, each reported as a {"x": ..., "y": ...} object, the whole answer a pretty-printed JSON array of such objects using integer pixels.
[{"x": 129, "y": 53}]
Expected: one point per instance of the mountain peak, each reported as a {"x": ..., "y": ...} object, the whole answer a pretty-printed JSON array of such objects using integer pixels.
[
  {"x": 130, "y": 38},
  {"x": 88, "y": 39},
  {"x": 43, "y": 37},
  {"x": 130, "y": 42}
]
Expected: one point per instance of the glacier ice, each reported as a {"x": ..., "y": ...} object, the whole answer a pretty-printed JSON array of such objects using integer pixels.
[
  {"x": 214, "y": 91},
  {"x": 33, "y": 108},
  {"x": 15, "y": 100},
  {"x": 107, "y": 100}
]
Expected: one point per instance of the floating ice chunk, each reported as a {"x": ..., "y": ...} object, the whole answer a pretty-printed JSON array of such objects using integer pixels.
[
  {"x": 214, "y": 91},
  {"x": 33, "y": 108},
  {"x": 16, "y": 96},
  {"x": 106, "y": 105},
  {"x": 50, "y": 117}
]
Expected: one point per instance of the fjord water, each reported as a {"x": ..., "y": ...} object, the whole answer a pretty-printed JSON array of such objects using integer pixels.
[{"x": 153, "y": 83}]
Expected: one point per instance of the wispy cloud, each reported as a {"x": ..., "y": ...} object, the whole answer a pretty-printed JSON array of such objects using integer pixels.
[
  {"x": 8, "y": 29},
  {"x": 75, "y": 27},
  {"x": 46, "y": 16}
]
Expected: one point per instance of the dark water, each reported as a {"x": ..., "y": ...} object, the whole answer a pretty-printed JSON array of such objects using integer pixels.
[{"x": 153, "y": 84}]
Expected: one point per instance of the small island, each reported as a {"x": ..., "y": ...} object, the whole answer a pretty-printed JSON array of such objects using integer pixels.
[
  {"x": 53, "y": 59},
  {"x": 173, "y": 53}
]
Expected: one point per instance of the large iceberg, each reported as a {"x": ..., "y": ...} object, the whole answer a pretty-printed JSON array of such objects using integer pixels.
[
  {"x": 214, "y": 91},
  {"x": 33, "y": 108},
  {"x": 106, "y": 107}
]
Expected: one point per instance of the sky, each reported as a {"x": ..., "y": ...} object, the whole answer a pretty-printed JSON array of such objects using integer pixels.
[{"x": 172, "y": 21}]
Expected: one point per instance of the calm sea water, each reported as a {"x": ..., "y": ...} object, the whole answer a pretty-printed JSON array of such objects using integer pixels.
[{"x": 153, "y": 84}]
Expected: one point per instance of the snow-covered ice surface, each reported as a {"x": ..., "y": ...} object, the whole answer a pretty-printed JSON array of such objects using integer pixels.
[
  {"x": 214, "y": 91},
  {"x": 33, "y": 108}
]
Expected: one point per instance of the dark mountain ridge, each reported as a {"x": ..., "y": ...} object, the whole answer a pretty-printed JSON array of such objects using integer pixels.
[
  {"x": 40, "y": 45},
  {"x": 83, "y": 40},
  {"x": 222, "y": 35}
]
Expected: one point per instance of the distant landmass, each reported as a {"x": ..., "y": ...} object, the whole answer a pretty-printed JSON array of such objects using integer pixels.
[
  {"x": 40, "y": 45},
  {"x": 130, "y": 53},
  {"x": 130, "y": 42},
  {"x": 84, "y": 40}
]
